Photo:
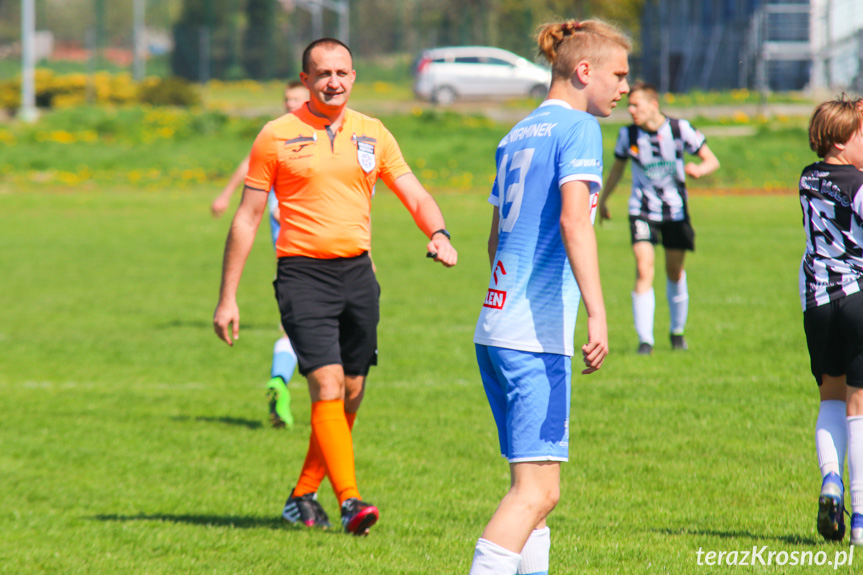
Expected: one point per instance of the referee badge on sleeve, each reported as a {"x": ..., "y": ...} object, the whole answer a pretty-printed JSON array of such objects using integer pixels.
[{"x": 366, "y": 156}]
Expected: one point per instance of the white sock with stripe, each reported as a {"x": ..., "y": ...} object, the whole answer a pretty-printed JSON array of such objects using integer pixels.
[
  {"x": 678, "y": 303},
  {"x": 492, "y": 559},
  {"x": 643, "y": 309},
  {"x": 534, "y": 556},
  {"x": 831, "y": 436}
]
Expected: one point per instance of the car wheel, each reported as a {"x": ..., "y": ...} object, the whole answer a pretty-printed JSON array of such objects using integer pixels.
[
  {"x": 539, "y": 91},
  {"x": 444, "y": 96}
]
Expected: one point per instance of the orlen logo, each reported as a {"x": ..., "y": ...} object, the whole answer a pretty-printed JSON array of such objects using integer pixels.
[{"x": 495, "y": 299}]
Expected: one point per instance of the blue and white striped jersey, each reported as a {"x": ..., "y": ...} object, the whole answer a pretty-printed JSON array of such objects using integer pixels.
[
  {"x": 832, "y": 203},
  {"x": 532, "y": 299},
  {"x": 658, "y": 179}
]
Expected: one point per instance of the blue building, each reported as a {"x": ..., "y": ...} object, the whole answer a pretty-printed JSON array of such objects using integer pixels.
[{"x": 726, "y": 44}]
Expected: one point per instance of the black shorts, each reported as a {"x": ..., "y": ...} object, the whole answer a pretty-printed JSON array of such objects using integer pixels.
[
  {"x": 674, "y": 235},
  {"x": 834, "y": 335},
  {"x": 330, "y": 311}
]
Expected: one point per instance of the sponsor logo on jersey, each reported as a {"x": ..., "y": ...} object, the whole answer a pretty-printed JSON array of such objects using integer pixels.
[
  {"x": 494, "y": 299},
  {"x": 810, "y": 183},
  {"x": 824, "y": 187},
  {"x": 590, "y": 163},
  {"x": 834, "y": 192},
  {"x": 498, "y": 266},
  {"x": 300, "y": 142},
  {"x": 658, "y": 170}
]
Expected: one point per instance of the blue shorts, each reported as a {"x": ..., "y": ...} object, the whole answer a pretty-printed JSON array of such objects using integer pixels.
[{"x": 529, "y": 395}]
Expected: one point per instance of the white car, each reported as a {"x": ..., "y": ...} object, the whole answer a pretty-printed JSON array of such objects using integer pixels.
[{"x": 444, "y": 75}]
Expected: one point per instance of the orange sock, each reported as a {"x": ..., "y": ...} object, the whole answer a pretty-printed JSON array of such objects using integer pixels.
[
  {"x": 332, "y": 434},
  {"x": 314, "y": 469}
]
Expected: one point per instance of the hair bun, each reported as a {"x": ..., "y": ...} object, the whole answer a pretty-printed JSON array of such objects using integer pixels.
[{"x": 570, "y": 26}]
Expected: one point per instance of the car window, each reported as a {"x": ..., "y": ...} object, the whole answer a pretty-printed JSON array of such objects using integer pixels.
[
  {"x": 467, "y": 60},
  {"x": 497, "y": 61}
]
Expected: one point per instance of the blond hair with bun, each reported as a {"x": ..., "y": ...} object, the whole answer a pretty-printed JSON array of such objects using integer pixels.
[{"x": 565, "y": 44}]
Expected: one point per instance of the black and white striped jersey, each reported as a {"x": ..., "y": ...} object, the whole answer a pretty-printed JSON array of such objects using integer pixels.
[
  {"x": 658, "y": 179},
  {"x": 832, "y": 203}
]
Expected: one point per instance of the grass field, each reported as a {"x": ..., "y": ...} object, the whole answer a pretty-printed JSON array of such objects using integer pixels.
[
  {"x": 133, "y": 441},
  {"x": 83, "y": 149}
]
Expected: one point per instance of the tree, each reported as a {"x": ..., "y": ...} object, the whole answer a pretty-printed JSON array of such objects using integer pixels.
[
  {"x": 202, "y": 40},
  {"x": 258, "y": 39}
]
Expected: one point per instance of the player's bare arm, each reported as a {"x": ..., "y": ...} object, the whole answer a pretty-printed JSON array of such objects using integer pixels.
[
  {"x": 614, "y": 177},
  {"x": 223, "y": 200},
  {"x": 493, "y": 235},
  {"x": 576, "y": 230},
  {"x": 709, "y": 163},
  {"x": 427, "y": 216},
  {"x": 226, "y": 319}
]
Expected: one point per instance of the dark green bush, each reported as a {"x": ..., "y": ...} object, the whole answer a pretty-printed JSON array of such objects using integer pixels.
[{"x": 172, "y": 91}]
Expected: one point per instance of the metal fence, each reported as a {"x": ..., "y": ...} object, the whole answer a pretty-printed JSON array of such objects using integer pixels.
[
  {"x": 684, "y": 44},
  {"x": 726, "y": 44},
  {"x": 837, "y": 44}
]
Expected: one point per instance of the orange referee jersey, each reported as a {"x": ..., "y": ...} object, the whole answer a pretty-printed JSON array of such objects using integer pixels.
[{"x": 324, "y": 186}]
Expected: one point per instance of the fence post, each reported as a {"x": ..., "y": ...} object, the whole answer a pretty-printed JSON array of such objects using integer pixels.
[
  {"x": 28, "y": 61},
  {"x": 204, "y": 55},
  {"x": 139, "y": 39},
  {"x": 858, "y": 80}
]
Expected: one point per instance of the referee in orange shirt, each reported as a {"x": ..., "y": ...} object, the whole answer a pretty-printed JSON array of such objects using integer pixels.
[{"x": 323, "y": 161}]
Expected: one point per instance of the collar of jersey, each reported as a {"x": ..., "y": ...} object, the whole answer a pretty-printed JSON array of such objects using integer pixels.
[
  {"x": 556, "y": 102},
  {"x": 317, "y": 122}
]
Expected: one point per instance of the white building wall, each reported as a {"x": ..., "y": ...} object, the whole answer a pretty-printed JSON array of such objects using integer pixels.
[{"x": 836, "y": 36}]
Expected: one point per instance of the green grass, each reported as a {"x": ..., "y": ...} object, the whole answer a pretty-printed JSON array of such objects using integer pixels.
[
  {"x": 133, "y": 441},
  {"x": 158, "y": 148}
]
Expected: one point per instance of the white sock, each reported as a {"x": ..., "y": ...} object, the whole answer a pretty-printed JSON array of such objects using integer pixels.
[
  {"x": 855, "y": 461},
  {"x": 831, "y": 436},
  {"x": 678, "y": 303},
  {"x": 643, "y": 308},
  {"x": 284, "y": 360},
  {"x": 492, "y": 559},
  {"x": 534, "y": 556},
  {"x": 283, "y": 345}
]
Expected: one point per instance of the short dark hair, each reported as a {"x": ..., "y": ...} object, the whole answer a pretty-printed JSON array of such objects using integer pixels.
[
  {"x": 649, "y": 89},
  {"x": 328, "y": 42},
  {"x": 294, "y": 84}
]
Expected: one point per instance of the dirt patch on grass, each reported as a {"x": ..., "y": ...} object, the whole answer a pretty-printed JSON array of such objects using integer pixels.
[{"x": 742, "y": 192}]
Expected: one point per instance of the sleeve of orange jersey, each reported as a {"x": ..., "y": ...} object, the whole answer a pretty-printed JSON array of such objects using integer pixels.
[
  {"x": 393, "y": 164},
  {"x": 263, "y": 161}
]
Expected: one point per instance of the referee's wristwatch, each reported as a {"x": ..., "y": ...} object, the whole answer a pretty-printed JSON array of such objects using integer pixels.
[{"x": 440, "y": 231}]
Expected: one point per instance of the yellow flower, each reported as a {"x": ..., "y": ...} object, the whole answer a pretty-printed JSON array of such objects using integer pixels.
[
  {"x": 69, "y": 178},
  {"x": 62, "y": 137},
  {"x": 740, "y": 117}
]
